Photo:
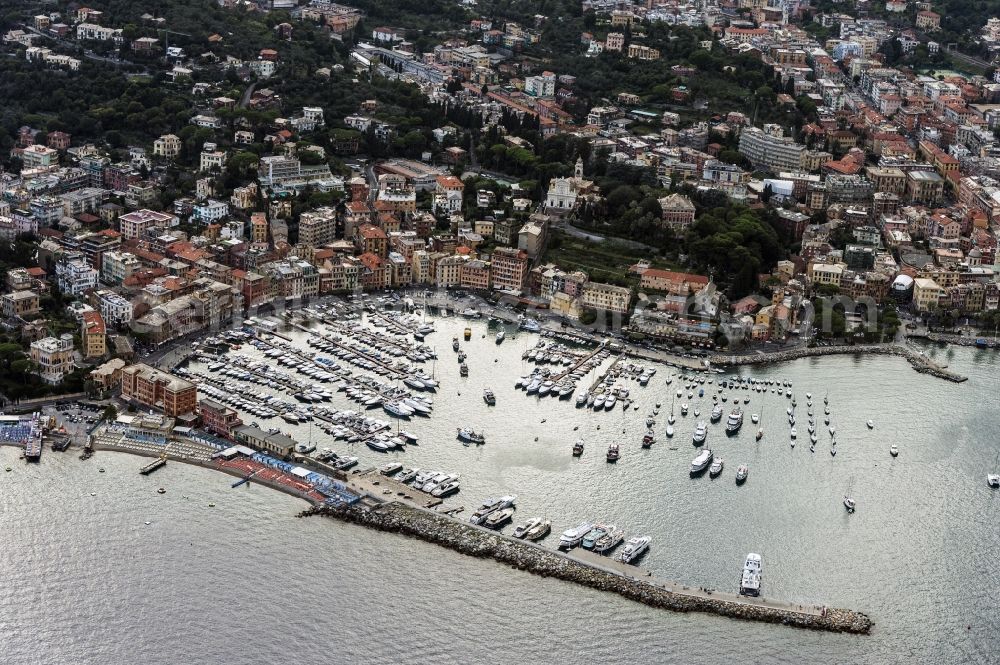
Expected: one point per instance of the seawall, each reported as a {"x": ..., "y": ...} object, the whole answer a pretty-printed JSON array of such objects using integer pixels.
[
  {"x": 920, "y": 362},
  {"x": 396, "y": 517}
]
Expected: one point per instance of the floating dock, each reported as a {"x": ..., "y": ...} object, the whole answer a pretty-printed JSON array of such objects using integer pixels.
[
  {"x": 33, "y": 444},
  {"x": 153, "y": 466}
]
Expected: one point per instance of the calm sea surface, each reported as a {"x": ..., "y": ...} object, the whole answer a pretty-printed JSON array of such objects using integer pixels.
[{"x": 87, "y": 581}]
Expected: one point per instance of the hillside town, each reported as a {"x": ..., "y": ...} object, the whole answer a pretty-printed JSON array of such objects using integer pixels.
[{"x": 865, "y": 167}]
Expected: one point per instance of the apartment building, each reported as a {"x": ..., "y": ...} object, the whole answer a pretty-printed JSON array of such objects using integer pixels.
[
  {"x": 509, "y": 269},
  {"x": 54, "y": 357},
  {"x": 20, "y": 304},
  {"x": 93, "y": 335},
  {"x": 318, "y": 227},
  {"x": 153, "y": 388},
  {"x": 770, "y": 149},
  {"x": 606, "y": 297}
]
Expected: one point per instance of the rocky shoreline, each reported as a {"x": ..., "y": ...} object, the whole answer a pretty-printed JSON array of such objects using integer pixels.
[
  {"x": 919, "y": 362},
  {"x": 396, "y": 517}
]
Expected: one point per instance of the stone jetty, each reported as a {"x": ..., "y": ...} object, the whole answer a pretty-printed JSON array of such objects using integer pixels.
[
  {"x": 426, "y": 525},
  {"x": 920, "y": 362}
]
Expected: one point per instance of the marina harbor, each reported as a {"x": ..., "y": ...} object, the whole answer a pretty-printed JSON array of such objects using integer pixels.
[{"x": 398, "y": 420}]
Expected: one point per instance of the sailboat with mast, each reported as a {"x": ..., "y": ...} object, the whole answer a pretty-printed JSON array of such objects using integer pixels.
[
  {"x": 671, "y": 420},
  {"x": 760, "y": 427}
]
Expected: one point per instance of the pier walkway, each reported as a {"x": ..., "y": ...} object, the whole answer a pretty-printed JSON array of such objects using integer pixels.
[{"x": 586, "y": 358}]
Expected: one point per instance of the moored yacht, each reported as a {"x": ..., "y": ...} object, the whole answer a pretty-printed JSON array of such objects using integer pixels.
[
  {"x": 489, "y": 397},
  {"x": 500, "y": 336},
  {"x": 742, "y": 473},
  {"x": 522, "y": 530},
  {"x": 701, "y": 462},
  {"x": 491, "y": 505},
  {"x": 599, "y": 531},
  {"x": 470, "y": 435},
  {"x": 716, "y": 468},
  {"x": 498, "y": 518},
  {"x": 613, "y": 452},
  {"x": 573, "y": 537},
  {"x": 716, "y": 413},
  {"x": 578, "y": 448},
  {"x": 635, "y": 548},
  {"x": 735, "y": 421},
  {"x": 609, "y": 540},
  {"x": 750, "y": 580},
  {"x": 538, "y": 531},
  {"x": 700, "y": 433}
]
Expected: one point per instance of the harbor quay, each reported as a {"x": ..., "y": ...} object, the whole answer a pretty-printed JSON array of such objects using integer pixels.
[{"x": 589, "y": 570}]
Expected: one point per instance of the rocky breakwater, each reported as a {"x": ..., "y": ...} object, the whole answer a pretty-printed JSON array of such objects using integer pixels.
[
  {"x": 435, "y": 528},
  {"x": 919, "y": 361}
]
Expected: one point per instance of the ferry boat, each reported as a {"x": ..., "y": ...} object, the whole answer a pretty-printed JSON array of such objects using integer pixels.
[
  {"x": 735, "y": 421},
  {"x": 613, "y": 452},
  {"x": 578, "y": 448},
  {"x": 570, "y": 538},
  {"x": 470, "y": 435},
  {"x": 750, "y": 580},
  {"x": 700, "y": 433},
  {"x": 489, "y": 397},
  {"x": 609, "y": 540},
  {"x": 500, "y": 336},
  {"x": 701, "y": 462},
  {"x": 635, "y": 548}
]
